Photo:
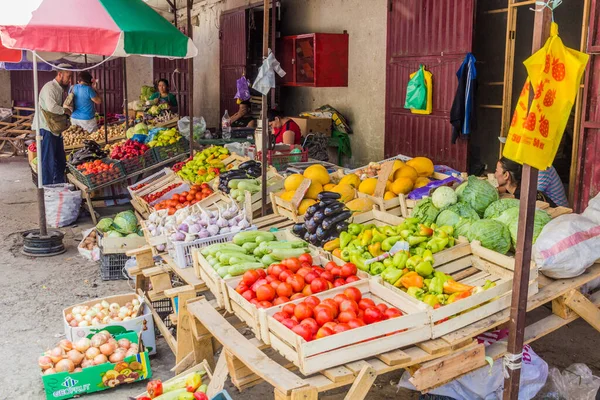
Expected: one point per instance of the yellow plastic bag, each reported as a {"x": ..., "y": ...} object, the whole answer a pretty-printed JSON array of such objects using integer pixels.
[
  {"x": 429, "y": 85},
  {"x": 555, "y": 73}
]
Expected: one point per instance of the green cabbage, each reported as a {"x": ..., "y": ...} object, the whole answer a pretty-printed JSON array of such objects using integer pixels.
[
  {"x": 126, "y": 222},
  {"x": 479, "y": 194},
  {"x": 443, "y": 197},
  {"x": 114, "y": 234},
  {"x": 462, "y": 227},
  {"x": 140, "y": 129},
  {"x": 104, "y": 225},
  {"x": 455, "y": 213},
  {"x": 510, "y": 218},
  {"x": 496, "y": 208},
  {"x": 425, "y": 211},
  {"x": 460, "y": 188},
  {"x": 492, "y": 234}
]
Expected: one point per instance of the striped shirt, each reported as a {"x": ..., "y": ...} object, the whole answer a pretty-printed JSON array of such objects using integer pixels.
[{"x": 550, "y": 184}]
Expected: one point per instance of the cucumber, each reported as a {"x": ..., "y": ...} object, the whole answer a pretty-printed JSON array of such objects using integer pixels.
[
  {"x": 239, "y": 269},
  {"x": 239, "y": 260},
  {"x": 282, "y": 254},
  {"x": 226, "y": 257},
  {"x": 212, "y": 249},
  {"x": 252, "y": 236},
  {"x": 250, "y": 246},
  {"x": 212, "y": 261},
  {"x": 217, "y": 266},
  {"x": 249, "y": 186},
  {"x": 224, "y": 270},
  {"x": 265, "y": 238},
  {"x": 295, "y": 244},
  {"x": 268, "y": 260}
]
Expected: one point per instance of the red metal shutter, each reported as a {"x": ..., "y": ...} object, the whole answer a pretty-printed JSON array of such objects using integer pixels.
[
  {"x": 437, "y": 34},
  {"x": 21, "y": 85},
  {"x": 588, "y": 174},
  {"x": 233, "y": 57},
  {"x": 163, "y": 68},
  {"x": 114, "y": 86}
]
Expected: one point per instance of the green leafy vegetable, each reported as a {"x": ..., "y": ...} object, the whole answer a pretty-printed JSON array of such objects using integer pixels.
[
  {"x": 104, "y": 225},
  {"x": 498, "y": 207},
  {"x": 492, "y": 234},
  {"x": 125, "y": 222},
  {"x": 443, "y": 197},
  {"x": 479, "y": 194},
  {"x": 425, "y": 211},
  {"x": 510, "y": 218},
  {"x": 453, "y": 214}
]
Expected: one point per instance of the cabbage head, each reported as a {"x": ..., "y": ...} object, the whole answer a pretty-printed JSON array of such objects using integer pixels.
[
  {"x": 492, "y": 234},
  {"x": 425, "y": 211},
  {"x": 479, "y": 194},
  {"x": 452, "y": 215},
  {"x": 498, "y": 207},
  {"x": 114, "y": 234},
  {"x": 125, "y": 222},
  {"x": 510, "y": 218},
  {"x": 443, "y": 197},
  {"x": 141, "y": 129},
  {"x": 105, "y": 224},
  {"x": 462, "y": 227}
]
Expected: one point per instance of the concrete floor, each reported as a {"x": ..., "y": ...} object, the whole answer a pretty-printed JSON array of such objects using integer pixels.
[{"x": 35, "y": 291}]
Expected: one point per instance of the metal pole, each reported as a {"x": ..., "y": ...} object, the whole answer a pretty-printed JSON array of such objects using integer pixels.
[
  {"x": 104, "y": 101},
  {"x": 273, "y": 36},
  {"x": 518, "y": 305},
  {"x": 190, "y": 3},
  {"x": 177, "y": 76},
  {"x": 125, "y": 99},
  {"x": 38, "y": 144},
  {"x": 265, "y": 128}
]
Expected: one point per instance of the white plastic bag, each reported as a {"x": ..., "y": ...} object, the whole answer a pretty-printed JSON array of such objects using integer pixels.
[
  {"x": 183, "y": 125},
  {"x": 265, "y": 80},
  {"x": 488, "y": 384},
  {"x": 575, "y": 382},
  {"x": 62, "y": 204},
  {"x": 567, "y": 246},
  {"x": 592, "y": 212},
  {"x": 92, "y": 255}
]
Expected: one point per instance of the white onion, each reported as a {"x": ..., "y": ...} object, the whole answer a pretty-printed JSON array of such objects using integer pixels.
[
  {"x": 56, "y": 354},
  {"x": 105, "y": 304},
  {"x": 87, "y": 318},
  {"x": 83, "y": 344},
  {"x": 66, "y": 344},
  {"x": 45, "y": 362},
  {"x": 49, "y": 371},
  {"x": 65, "y": 365},
  {"x": 124, "y": 343},
  {"x": 92, "y": 352},
  {"x": 74, "y": 323},
  {"x": 87, "y": 363},
  {"x": 99, "y": 339},
  {"x": 84, "y": 323},
  {"x": 114, "y": 307},
  {"x": 100, "y": 359},
  {"x": 117, "y": 356},
  {"x": 107, "y": 349},
  {"x": 75, "y": 356},
  {"x": 127, "y": 318},
  {"x": 76, "y": 310},
  {"x": 78, "y": 317}
]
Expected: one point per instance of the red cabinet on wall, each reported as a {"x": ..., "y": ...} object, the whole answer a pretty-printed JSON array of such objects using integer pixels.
[{"x": 314, "y": 59}]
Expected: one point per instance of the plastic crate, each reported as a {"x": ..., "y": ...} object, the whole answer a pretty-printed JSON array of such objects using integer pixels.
[
  {"x": 164, "y": 308},
  {"x": 280, "y": 161},
  {"x": 181, "y": 252},
  {"x": 131, "y": 165},
  {"x": 93, "y": 180},
  {"x": 111, "y": 266},
  {"x": 163, "y": 153}
]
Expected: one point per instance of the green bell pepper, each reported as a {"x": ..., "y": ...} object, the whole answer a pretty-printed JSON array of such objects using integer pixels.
[
  {"x": 388, "y": 262},
  {"x": 449, "y": 230},
  {"x": 345, "y": 239},
  {"x": 387, "y": 244},
  {"x": 415, "y": 240},
  {"x": 400, "y": 259},
  {"x": 415, "y": 292},
  {"x": 413, "y": 261},
  {"x": 345, "y": 255},
  {"x": 356, "y": 259},
  {"x": 428, "y": 256},
  {"x": 378, "y": 237},
  {"x": 388, "y": 231},
  {"x": 354, "y": 229},
  {"x": 391, "y": 275},
  {"x": 424, "y": 268},
  {"x": 376, "y": 268},
  {"x": 366, "y": 237},
  {"x": 405, "y": 233},
  {"x": 488, "y": 284},
  {"x": 437, "y": 244}
]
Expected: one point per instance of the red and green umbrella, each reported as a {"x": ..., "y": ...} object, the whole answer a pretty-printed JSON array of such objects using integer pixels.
[{"x": 103, "y": 27}]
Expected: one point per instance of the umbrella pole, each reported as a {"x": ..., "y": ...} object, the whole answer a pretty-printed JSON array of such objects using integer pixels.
[
  {"x": 265, "y": 127},
  {"x": 104, "y": 101},
  {"x": 190, "y": 3},
  {"x": 38, "y": 144},
  {"x": 125, "y": 93}
]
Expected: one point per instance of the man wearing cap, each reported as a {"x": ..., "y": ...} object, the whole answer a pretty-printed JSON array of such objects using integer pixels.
[{"x": 52, "y": 122}]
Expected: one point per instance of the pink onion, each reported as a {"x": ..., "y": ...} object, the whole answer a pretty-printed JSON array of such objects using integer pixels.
[
  {"x": 99, "y": 339},
  {"x": 65, "y": 365},
  {"x": 92, "y": 352},
  {"x": 75, "y": 356},
  {"x": 45, "y": 362},
  {"x": 74, "y": 323},
  {"x": 49, "y": 371},
  {"x": 78, "y": 369},
  {"x": 56, "y": 354},
  {"x": 69, "y": 317},
  {"x": 117, "y": 356},
  {"x": 83, "y": 344},
  {"x": 130, "y": 353},
  {"x": 87, "y": 363},
  {"x": 124, "y": 343},
  {"x": 66, "y": 345},
  {"x": 107, "y": 349},
  {"x": 100, "y": 359}
]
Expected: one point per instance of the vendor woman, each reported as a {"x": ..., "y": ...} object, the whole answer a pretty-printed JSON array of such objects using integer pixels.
[
  {"x": 164, "y": 96},
  {"x": 243, "y": 118},
  {"x": 285, "y": 130}
]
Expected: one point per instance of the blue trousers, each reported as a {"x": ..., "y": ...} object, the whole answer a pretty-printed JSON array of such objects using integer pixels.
[{"x": 54, "y": 160}]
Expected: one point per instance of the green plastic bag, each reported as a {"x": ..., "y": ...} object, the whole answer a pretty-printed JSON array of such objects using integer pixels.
[{"x": 416, "y": 91}]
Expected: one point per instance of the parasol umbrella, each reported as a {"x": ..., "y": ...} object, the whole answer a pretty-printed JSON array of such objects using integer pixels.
[{"x": 111, "y": 28}]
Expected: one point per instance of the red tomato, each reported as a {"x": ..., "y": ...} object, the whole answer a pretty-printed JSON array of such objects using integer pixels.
[
  {"x": 348, "y": 269},
  {"x": 327, "y": 275},
  {"x": 305, "y": 265},
  {"x": 289, "y": 309},
  {"x": 346, "y": 316},
  {"x": 356, "y": 323},
  {"x": 292, "y": 263},
  {"x": 303, "y": 311},
  {"x": 339, "y": 298},
  {"x": 317, "y": 270},
  {"x": 336, "y": 271},
  {"x": 339, "y": 282},
  {"x": 284, "y": 289},
  {"x": 393, "y": 312},
  {"x": 318, "y": 285},
  {"x": 348, "y": 305},
  {"x": 330, "y": 265},
  {"x": 353, "y": 294},
  {"x": 154, "y": 388},
  {"x": 310, "y": 277},
  {"x": 276, "y": 270},
  {"x": 264, "y": 304},
  {"x": 275, "y": 283},
  {"x": 372, "y": 315},
  {"x": 254, "y": 302},
  {"x": 303, "y": 271},
  {"x": 261, "y": 273},
  {"x": 323, "y": 332},
  {"x": 312, "y": 301},
  {"x": 285, "y": 274},
  {"x": 271, "y": 278},
  {"x": 331, "y": 325},
  {"x": 289, "y": 323},
  {"x": 241, "y": 288},
  {"x": 365, "y": 303},
  {"x": 303, "y": 331},
  {"x": 352, "y": 278},
  {"x": 311, "y": 323},
  {"x": 260, "y": 282},
  {"x": 341, "y": 328},
  {"x": 296, "y": 281},
  {"x": 324, "y": 315},
  {"x": 305, "y": 258},
  {"x": 307, "y": 291},
  {"x": 249, "y": 294},
  {"x": 265, "y": 293},
  {"x": 280, "y": 300},
  {"x": 332, "y": 304},
  {"x": 382, "y": 307},
  {"x": 296, "y": 296}
]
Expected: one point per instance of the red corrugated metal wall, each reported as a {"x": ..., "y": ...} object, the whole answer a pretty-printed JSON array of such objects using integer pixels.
[
  {"x": 114, "y": 86},
  {"x": 163, "y": 69},
  {"x": 588, "y": 176},
  {"x": 233, "y": 57},
  {"x": 437, "y": 34},
  {"x": 21, "y": 84}
]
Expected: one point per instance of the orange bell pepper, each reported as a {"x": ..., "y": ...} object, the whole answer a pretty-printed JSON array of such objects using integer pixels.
[
  {"x": 458, "y": 296},
  {"x": 412, "y": 279},
  {"x": 451, "y": 286}
]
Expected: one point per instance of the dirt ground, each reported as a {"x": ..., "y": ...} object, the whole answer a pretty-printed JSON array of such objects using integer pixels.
[{"x": 34, "y": 292}]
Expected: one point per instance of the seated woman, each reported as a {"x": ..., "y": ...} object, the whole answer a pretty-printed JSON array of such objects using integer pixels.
[
  {"x": 242, "y": 118},
  {"x": 84, "y": 99},
  {"x": 508, "y": 174},
  {"x": 164, "y": 96},
  {"x": 285, "y": 130}
]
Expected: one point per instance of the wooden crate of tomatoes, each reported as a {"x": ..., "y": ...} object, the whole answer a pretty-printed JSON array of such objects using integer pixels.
[
  {"x": 184, "y": 198},
  {"x": 97, "y": 172}
]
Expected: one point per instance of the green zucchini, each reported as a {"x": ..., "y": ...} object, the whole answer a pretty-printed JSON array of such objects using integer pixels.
[
  {"x": 226, "y": 257},
  {"x": 251, "y": 236},
  {"x": 282, "y": 254},
  {"x": 268, "y": 260},
  {"x": 212, "y": 250},
  {"x": 239, "y": 269},
  {"x": 224, "y": 270},
  {"x": 250, "y": 246}
]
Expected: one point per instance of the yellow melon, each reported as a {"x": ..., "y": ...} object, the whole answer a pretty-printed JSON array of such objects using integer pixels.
[
  {"x": 423, "y": 165},
  {"x": 350, "y": 179},
  {"x": 420, "y": 182},
  {"x": 389, "y": 195},
  {"x": 368, "y": 186},
  {"x": 388, "y": 185},
  {"x": 402, "y": 185},
  {"x": 406, "y": 172},
  {"x": 292, "y": 182},
  {"x": 328, "y": 187},
  {"x": 287, "y": 196},
  {"x": 346, "y": 191},
  {"x": 317, "y": 173},
  {"x": 304, "y": 204},
  {"x": 359, "y": 205},
  {"x": 313, "y": 190},
  {"x": 397, "y": 165}
]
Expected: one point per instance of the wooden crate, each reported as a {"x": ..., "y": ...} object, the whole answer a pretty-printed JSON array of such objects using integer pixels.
[
  {"x": 246, "y": 311},
  {"x": 155, "y": 187},
  {"x": 152, "y": 179},
  {"x": 310, "y": 357},
  {"x": 472, "y": 264}
]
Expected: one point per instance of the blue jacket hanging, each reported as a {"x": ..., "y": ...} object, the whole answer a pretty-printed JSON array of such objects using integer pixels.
[{"x": 462, "y": 113}]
